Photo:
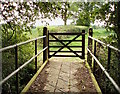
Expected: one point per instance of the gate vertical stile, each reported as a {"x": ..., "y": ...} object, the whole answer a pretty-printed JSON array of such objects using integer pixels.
[{"x": 83, "y": 44}]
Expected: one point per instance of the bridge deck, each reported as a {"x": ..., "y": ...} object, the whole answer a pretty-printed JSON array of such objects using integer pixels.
[{"x": 64, "y": 75}]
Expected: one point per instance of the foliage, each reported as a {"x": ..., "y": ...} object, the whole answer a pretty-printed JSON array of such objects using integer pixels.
[
  {"x": 84, "y": 14},
  {"x": 102, "y": 55},
  {"x": 25, "y": 52},
  {"x": 18, "y": 17},
  {"x": 110, "y": 12},
  {"x": 82, "y": 11}
]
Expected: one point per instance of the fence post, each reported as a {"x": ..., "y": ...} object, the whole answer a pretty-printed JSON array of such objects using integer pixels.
[
  {"x": 16, "y": 66},
  {"x": 83, "y": 44},
  {"x": 94, "y": 63},
  {"x": 36, "y": 54},
  {"x": 108, "y": 69},
  {"x": 89, "y": 57},
  {"x": 45, "y": 44}
]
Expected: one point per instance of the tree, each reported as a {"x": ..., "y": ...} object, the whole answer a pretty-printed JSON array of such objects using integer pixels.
[
  {"x": 19, "y": 17},
  {"x": 65, "y": 11},
  {"x": 110, "y": 13},
  {"x": 83, "y": 12}
]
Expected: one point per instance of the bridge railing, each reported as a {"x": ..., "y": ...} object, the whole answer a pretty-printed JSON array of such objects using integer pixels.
[
  {"x": 93, "y": 60},
  {"x": 17, "y": 69}
]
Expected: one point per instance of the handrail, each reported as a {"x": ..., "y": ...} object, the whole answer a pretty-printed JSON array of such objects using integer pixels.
[
  {"x": 108, "y": 45},
  {"x": 17, "y": 69},
  {"x": 21, "y": 43},
  {"x": 92, "y": 56},
  {"x": 104, "y": 70},
  {"x": 21, "y": 67}
]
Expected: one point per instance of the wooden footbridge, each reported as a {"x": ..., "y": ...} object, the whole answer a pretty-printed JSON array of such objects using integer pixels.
[{"x": 60, "y": 72}]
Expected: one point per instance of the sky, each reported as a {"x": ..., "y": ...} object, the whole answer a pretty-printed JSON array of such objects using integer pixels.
[
  {"x": 54, "y": 22},
  {"x": 58, "y": 21}
]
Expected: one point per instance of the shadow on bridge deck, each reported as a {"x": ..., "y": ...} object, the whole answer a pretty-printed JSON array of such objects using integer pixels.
[{"x": 63, "y": 75}]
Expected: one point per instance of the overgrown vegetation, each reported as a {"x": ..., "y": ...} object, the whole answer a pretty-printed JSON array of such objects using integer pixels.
[{"x": 102, "y": 55}]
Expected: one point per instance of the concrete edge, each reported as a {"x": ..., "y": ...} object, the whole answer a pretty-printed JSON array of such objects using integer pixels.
[
  {"x": 93, "y": 79},
  {"x": 33, "y": 78}
]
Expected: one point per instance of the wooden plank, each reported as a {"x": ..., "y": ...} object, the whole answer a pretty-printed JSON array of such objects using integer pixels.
[
  {"x": 65, "y": 40},
  {"x": 65, "y": 33},
  {"x": 69, "y": 46},
  {"x": 68, "y": 51},
  {"x": 64, "y": 56}
]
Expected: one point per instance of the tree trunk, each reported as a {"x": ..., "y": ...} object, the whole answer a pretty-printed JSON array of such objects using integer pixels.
[{"x": 65, "y": 17}]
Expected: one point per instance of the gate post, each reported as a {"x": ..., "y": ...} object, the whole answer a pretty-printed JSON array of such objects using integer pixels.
[
  {"x": 89, "y": 57},
  {"x": 45, "y": 44},
  {"x": 48, "y": 46},
  {"x": 83, "y": 44}
]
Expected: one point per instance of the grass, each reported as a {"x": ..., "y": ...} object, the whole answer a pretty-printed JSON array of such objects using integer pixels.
[{"x": 100, "y": 33}]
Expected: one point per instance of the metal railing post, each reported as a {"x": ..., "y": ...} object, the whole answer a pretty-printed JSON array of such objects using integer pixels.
[
  {"x": 94, "y": 63},
  {"x": 16, "y": 66},
  {"x": 108, "y": 69},
  {"x": 109, "y": 56},
  {"x": 36, "y": 54},
  {"x": 89, "y": 57},
  {"x": 83, "y": 44}
]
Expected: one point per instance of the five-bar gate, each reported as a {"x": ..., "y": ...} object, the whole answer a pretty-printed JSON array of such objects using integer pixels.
[{"x": 80, "y": 53}]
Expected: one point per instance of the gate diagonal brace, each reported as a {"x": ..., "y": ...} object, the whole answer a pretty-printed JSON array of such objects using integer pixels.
[{"x": 66, "y": 45}]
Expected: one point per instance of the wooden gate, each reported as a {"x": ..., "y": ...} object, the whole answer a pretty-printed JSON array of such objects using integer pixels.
[{"x": 66, "y": 45}]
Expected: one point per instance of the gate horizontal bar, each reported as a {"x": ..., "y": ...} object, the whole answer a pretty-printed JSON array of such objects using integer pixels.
[
  {"x": 65, "y": 56},
  {"x": 65, "y": 40},
  {"x": 67, "y": 51},
  {"x": 65, "y": 33},
  {"x": 62, "y": 46}
]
